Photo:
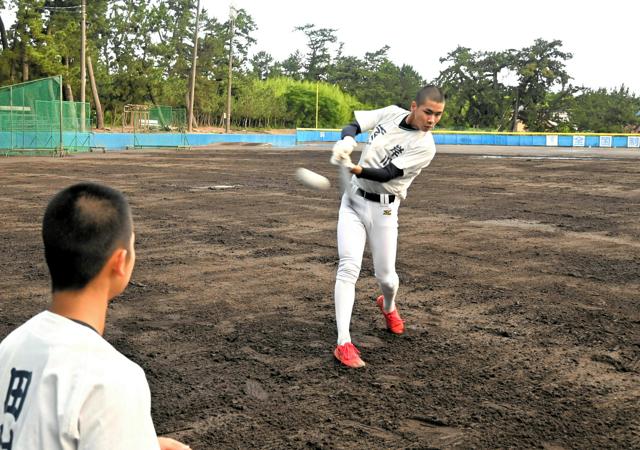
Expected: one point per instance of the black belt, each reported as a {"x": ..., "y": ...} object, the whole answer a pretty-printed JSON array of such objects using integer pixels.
[{"x": 374, "y": 197}]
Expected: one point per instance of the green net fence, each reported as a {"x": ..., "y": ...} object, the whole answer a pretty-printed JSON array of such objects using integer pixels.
[
  {"x": 33, "y": 117},
  {"x": 168, "y": 118}
]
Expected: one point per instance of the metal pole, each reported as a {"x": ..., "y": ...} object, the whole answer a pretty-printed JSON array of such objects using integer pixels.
[
  {"x": 11, "y": 115},
  {"x": 83, "y": 66},
  {"x": 317, "y": 95},
  {"x": 61, "y": 135},
  {"x": 192, "y": 90},
  {"x": 232, "y": 17}
]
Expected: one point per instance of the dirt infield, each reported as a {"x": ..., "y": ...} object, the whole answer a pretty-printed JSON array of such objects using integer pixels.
[{"x": 519, "y": 284}]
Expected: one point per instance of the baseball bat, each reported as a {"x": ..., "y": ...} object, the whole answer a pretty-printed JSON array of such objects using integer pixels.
[{"x": 344, "y": 177}]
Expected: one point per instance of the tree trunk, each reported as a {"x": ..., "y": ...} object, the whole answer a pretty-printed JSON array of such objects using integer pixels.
[
  {"x": 194, "y": 123},
  {"x": 25, "y": 65},
  {"x": 96, "y": 97},
  {"x": 192, "y": 79},
  {"x": 68, "y": 93},
  {"x": 514, "y": 123},
  {"x": 3, "y": 35}
]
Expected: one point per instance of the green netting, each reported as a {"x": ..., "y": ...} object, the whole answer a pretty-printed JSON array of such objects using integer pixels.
[
  {"x": 33, "y": 117},
  {"x": 168, "y": 118}
]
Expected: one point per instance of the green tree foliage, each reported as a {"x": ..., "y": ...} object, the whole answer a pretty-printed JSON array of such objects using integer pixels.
[
  {"x": 541, "y": 70},
  {"x": 262, "y": 65},
  {"x": 141, "y": 52},
  {"x": 375, "y": 80},
  {"x": 606, "y": 111},
  {"x": 32, "y": 52},
  {"x": 318, "y": 57},
  {"x": 141, "y": 49},
  {"x": 293, "y": 65},
  {"x": 476, "y": 96},
  {"x": 538, "y": 92}
]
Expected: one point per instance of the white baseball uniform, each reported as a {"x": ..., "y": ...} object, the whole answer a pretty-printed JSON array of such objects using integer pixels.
[
  {"x": 64, "y": 387},
  {"x": 360, "y": 218}
]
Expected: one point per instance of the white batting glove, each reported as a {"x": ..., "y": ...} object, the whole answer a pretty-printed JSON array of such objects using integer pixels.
[
  {"x": 345, "y": 161},
  {"x": 343, "y": 147}
]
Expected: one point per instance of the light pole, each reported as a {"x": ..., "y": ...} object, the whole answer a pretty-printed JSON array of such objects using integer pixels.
[
  {"x": 233, "y": 13},
  {"x": 317, "y": 100}
]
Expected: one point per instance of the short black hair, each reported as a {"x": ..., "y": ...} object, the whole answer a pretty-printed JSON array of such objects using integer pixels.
[
  {"x": 82, "y": 226},
  {"x": 430, "y": 92}
]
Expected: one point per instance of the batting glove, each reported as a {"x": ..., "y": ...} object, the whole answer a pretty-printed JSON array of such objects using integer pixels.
[
  {"x": 343, "y": 147},
  {"x": 345, "y": 161}
]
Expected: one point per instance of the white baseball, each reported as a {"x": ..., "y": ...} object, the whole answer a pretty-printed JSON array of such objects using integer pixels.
[{"x": 311, "y": 179}]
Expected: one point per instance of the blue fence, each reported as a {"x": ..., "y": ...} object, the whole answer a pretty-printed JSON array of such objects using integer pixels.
[
  {"x": 307, "y": 135},
  {"x": 508, "y": 139},
  {"x": 117, "y": 141},
  {"x": 43, "y": 140}
]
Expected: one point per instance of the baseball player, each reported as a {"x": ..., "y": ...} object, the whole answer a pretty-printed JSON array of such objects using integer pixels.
[
  {"x": 400, "y": 145},
  {"x": 64, "y": 387}
]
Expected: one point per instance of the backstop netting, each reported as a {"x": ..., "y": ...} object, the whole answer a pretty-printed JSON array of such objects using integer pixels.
[
  {"x": 33, "y": 117},
  {"x": 169, "y": 118}
]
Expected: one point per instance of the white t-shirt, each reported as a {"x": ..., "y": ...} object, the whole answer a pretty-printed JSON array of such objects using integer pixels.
[
  {"x": 64, "y": 387},
  {"x": 409, "y": 150}
]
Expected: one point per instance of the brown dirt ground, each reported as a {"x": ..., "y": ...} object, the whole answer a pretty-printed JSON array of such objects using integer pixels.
[{"x": 519, "y": 284}]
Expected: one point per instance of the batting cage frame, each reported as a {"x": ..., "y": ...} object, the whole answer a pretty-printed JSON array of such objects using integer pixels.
[{"x": 144, "y": 120}]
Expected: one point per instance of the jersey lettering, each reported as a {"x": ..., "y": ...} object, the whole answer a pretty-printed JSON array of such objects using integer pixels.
[
  {"x": 394, "y": 153},
  {"x": 6, "y": 445},
  {"x": 378, "y": 131},
  {"x": 13, "y": 403}
]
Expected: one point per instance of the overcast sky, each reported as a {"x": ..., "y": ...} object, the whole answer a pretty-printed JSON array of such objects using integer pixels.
[{"x": 603, "y": 36}]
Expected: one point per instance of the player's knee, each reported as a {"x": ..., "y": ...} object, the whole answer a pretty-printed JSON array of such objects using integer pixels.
[
  {"x": 348, "y": 270},
  {"x": 389, "y": 282}
]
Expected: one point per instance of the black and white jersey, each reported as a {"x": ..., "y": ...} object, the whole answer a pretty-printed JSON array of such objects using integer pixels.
[{"x": 408, "y": 149}]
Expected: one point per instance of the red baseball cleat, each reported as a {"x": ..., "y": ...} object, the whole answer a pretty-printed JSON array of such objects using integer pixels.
[
  {"x": 348, "y": 355},
  {"x": 394, "y": 323}
]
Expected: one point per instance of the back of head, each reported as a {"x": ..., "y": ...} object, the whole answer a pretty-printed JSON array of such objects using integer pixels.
[
  {"x": 82, "y": 226},
  {"x": 430, "y": 92}
]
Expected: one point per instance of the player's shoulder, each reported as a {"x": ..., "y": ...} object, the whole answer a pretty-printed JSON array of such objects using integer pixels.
[
  {"x": 24, "y": 331},
  {"x": 424, "y": 143},
  {"x": 388, "y": 112},
  {"x": 108, "y": 364},
  {"x": 396, "y": 112},
  {"x": 390, "y": 115},
  {"x": 71, "y": 346}
]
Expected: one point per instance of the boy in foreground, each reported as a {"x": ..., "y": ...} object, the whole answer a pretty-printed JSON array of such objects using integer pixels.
[{"x": 64, "y": 386}]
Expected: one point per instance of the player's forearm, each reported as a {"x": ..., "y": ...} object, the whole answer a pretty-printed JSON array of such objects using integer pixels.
[
  {"x": 353, "y": 129},
  {"x": 382, "y": 175}
]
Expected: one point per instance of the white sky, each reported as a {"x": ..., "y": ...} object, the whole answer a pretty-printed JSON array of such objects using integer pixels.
[{"x": 603, "y": 36}]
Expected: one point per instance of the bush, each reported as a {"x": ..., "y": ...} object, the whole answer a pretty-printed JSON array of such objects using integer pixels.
[{"x": 290, "y": 103}]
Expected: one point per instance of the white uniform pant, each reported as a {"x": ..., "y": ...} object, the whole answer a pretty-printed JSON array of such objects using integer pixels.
[{"x": 358, "y": 220}]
